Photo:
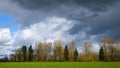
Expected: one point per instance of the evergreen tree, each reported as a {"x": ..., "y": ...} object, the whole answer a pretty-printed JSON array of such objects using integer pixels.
[
  {"x": 75, "y": 54},
  {"x": 24, "y": 51},
  {"x": 6, "y": 58},
  {"x": 66, "y": 53},
  {"x": 30, "y": 53},
  {"x": 101, "y": 54}
]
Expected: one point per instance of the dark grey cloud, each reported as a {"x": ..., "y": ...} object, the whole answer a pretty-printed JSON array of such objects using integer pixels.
[
  {"x": 49, "y": 4},
  {"x": 106, "y": 23},
  {"x": 39, "y": 4},
  {"x": 95, "y": 17},
  {"x": 65, "y": 8},
  {"x": 98, "y": 15},
  {"x": 96, "y": 5},
  {"x": 71, "y": 9}
]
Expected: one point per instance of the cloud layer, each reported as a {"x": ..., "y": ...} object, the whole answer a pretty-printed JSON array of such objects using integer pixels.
[{"x": 79, "y": 20}]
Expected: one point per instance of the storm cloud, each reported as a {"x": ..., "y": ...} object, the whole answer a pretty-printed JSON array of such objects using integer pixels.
[
  {"x": 95, "y": 5},
  {"x": 100, "y": 16},
  {"x": 79, "y": 20}
]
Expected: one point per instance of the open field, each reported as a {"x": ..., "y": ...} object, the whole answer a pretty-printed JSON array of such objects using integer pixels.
[{"x": 59, "y": 64}]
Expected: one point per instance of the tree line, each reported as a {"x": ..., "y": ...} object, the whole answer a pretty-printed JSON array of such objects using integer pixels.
[{"x": 47, "y": 51}]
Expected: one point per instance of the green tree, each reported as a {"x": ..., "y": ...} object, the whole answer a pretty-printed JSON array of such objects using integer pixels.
[
  {"x": 101, "y": 54},
  {"x": 24, "y": 51},
  {"x": 11, "y": 57},
  {"x": 30, "y": 53},
  {"x": 66, "y": 53},
  {"x": 5, "y": 58},
  {"x": 18, "y": 56},
  {"x": 75, "y": 54}
]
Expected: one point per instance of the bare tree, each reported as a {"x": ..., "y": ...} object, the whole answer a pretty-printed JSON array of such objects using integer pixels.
[
  {"x": 71, "y": 50},
  {"x": 87, "y": 48},
  {"x": 43, "y": 51},
  {"x": 58, "y": 50}
]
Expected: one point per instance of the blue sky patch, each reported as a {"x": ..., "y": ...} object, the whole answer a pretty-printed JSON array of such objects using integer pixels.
[{"x": 8, "y": 21}]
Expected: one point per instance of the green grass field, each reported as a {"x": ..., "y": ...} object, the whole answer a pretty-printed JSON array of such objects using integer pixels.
[{"x": 59, "y": 64}]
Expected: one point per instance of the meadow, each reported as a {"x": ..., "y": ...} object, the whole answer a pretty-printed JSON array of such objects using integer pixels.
[{"x": 59, "y": 64}]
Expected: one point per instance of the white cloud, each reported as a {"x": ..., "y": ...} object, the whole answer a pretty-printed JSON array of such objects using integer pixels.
[
  {"x": 5, "y": 36},
  {"x": 6, "y": 42},
  {"x": 50, "y": 29},
  {"x": 7, "y": 50},
  {"x": 96, "y": 47}
]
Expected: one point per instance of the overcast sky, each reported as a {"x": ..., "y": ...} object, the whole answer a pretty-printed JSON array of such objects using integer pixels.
[{"x": 24, "y": 22}]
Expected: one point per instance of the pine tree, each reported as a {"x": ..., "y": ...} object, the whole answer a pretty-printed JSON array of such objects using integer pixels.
[
  {"x": 75, "y": 54},
  {"x": 101, "y": 54},
  {"x": 66, "y": 53},
  {"x": 5, "y": 58},
  {"x": 30, "y": 53},
  {"x": 24, "y": 51}
]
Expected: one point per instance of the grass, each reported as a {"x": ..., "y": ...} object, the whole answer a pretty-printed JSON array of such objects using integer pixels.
[{"x": 59, "y": 64}]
